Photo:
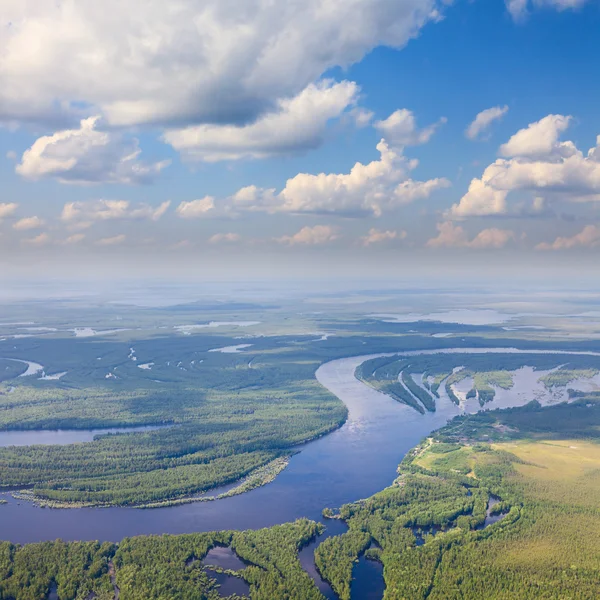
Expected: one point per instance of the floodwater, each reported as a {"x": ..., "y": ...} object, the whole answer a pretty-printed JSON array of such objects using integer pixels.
[{"x": 351, "y": 463}]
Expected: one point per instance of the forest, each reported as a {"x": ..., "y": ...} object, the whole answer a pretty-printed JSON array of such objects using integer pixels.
[
  {"x": 502, "y": 504},
  {"x": 159, "y": 567}
]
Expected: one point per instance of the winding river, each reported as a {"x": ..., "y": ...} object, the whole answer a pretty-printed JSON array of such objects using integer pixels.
[{"x": 353, "y": 462}]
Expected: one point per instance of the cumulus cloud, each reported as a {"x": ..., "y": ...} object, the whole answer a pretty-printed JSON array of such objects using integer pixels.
[
  {"x": 116, "y": 240},
  {"x": 28, "y": 223},
  {"x": 84, "y": 214},
  {"x": 484, "y": 120},
  {"x": 519, "y": 9},
  {"x": 295, "y": 124},
  {"x": 369, "y": 189},
  {"x": 538, "y": 162},
  {"x": 195, "y": 209},
  {"x": 454, "y": 236},
  {"x": 588, "y": 237},
  {"x": 400, "y": 129},
  {"x": 7, "y": 209},
  {"x": 310, "y": 236},
  {"x": 87, "y": 156},
  {"x": 214, "y": 61},
  {"x": 375, "y": 236},
  {"x": 541, "y": 140},
  {"x": 220, "y": 238}
]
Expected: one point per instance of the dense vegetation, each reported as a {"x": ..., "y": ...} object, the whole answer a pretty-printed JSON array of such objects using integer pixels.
[
  {"x": 159, "y": 567},
  {"x": 74, "y": 570},
  {"x": 229, "y": 414},
  {"x": 437, "y": 528}
]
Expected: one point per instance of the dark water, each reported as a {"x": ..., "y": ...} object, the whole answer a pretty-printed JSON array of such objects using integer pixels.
[
  {"x": 490, "y": 519},
  {"x": 367, "y": 580},
  {"x": 60, "y": 437},
  {"x": 226, "y": 558},
  {"x": 230, "y": 585},
  {"x": 307, "y": 556},
  {"x": 53, "y": 593}
]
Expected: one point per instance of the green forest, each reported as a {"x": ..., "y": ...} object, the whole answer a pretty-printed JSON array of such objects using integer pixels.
[{"x": 502, "y": 504}]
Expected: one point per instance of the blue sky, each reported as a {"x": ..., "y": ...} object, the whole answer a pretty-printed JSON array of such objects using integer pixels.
[{"x": 226, "y": 133}]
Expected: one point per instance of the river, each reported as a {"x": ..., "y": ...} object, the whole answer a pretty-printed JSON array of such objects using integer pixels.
[{"x": 353, "y": 462}]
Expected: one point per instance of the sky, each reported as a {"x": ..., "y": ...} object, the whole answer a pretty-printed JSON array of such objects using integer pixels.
[{"x": 287, "y": 137}]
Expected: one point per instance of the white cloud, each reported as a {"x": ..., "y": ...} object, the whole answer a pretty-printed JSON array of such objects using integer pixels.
[
  {"x": 196, "y": 208},
  {"x": 375, "y": 236},
  {"x": 11, "y": 155},
  {"x": 40, "y": 240},
  {"x": 454, "y": 236},
  {"x": 311, "y": 236},
  {"x": 540, "y": 139},
  {"x": 7, "y": 209},
  {"x": 588, "y": 237},
  {"x": 367, "y": 189},
  {"x": 538, "y": 162},
  {"x": 87, "y": 156},
  {"x": 209, "y": 61},
  {"x": 484, "y": 120},
  {"x": 76, "y": 238},
  {"x": 296, "y": 124},
  {"x": 84, "y": 214},
  {"x": 28, "y": 223},
  {"x": 519, "y": 9},
  {"x": 116, "y": 240},
  {"x": 400, "y": 129},
  {"x": 480, "y": 200},
  {"x": 220, "y": 238}
]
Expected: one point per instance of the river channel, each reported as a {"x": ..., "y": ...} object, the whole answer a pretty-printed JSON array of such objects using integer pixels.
[{"x": 353, "y": 462}]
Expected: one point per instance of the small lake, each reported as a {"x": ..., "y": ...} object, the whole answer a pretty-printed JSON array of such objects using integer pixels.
[
  {"x": 61, "y": 437},
  {"x": 226, "y": 558}
]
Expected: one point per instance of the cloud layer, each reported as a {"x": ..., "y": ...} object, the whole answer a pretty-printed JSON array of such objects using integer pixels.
[
  {"x": 209, "y": 61},
  {"x": 294, "y": 125}
]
